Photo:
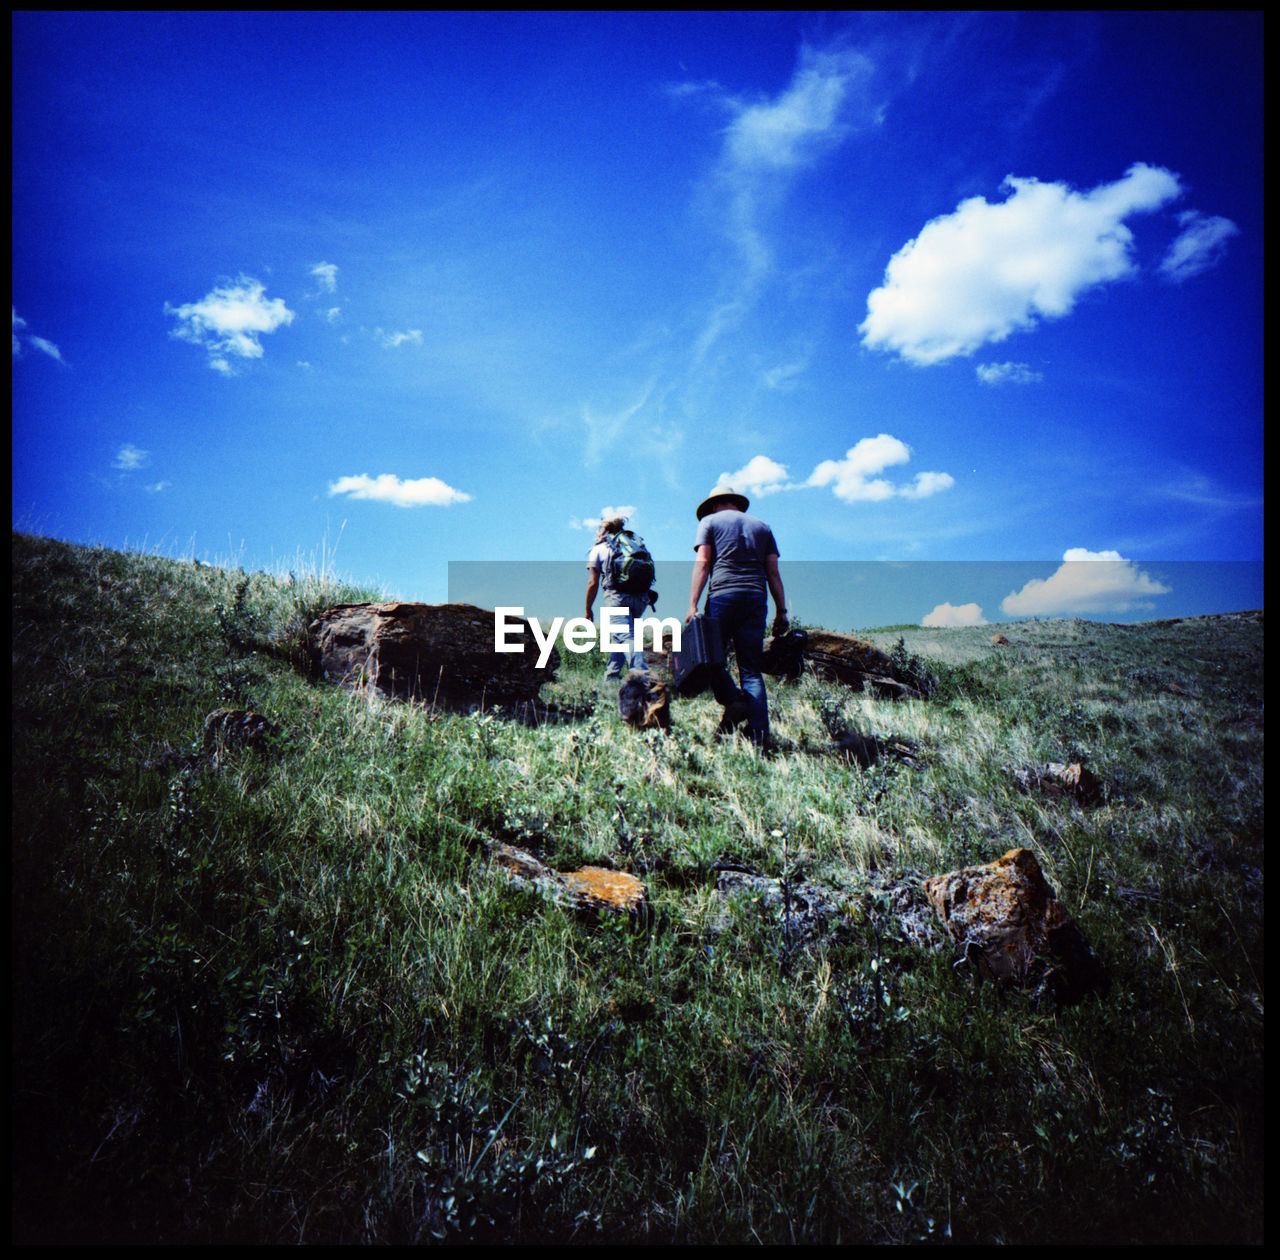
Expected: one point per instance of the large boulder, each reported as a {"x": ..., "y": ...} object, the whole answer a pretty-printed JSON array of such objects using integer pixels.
[
  {"x": 1011, "y": 927},
  {"x": 843, "y": 658},
  {"x": 438, "y": 653}
]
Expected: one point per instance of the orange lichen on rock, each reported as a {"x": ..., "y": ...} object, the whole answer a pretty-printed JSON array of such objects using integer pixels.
[
  {"x": 615, "y": 889},
  {"x": 591, "y": 888},
  {"x": 1007, "y": 919}
]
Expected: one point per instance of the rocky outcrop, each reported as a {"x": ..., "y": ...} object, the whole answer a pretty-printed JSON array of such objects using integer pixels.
[
  {"x": 437, "y": 653},
  {"x": 1011, "y": 927},
  {"x": 844, "y": 658},
  {"x": 812, "y": 912},
  {"x": 591, "y": 889}
]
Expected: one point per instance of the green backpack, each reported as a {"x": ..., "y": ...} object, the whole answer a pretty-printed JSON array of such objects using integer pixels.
[{"x": 631, "y": 568}]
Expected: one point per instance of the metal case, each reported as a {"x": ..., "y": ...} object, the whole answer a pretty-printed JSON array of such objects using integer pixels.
[{"x": 701, "y": 654}]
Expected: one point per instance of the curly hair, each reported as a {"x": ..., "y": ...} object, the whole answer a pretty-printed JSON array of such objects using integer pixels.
[{"x": 612, "y": 526}]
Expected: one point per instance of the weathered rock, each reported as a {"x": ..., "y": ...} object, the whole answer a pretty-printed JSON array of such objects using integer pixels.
[
  {"x": 645, "y": 702},
  {"x": 998, "y": 640},
  {"x": 438, "y": 653},
  {"x": 1010, "y": 926},
  {"x": 238, "y": 728},
  {"x": 1057, "y": 778},
  {"x": 843, "y": 658},
  {"x": 224, "y": 730},
  {"x": 867, "y": 749},
  {"x": 592, "y": 888},
  {"x": 809, "y": 906}
]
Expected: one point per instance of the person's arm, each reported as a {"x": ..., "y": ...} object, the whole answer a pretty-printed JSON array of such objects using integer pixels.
[
  {"x": 701, "y": 571},
  {"x": 593, "y": 585},
  {"x": 774, "y": 579}
]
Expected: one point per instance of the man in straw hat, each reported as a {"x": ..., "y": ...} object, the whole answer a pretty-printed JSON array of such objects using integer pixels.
[{"x": 737, "y": 554}]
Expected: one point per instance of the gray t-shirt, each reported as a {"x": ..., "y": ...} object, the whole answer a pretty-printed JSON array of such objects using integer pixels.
[{"x": 739, "y": 546}]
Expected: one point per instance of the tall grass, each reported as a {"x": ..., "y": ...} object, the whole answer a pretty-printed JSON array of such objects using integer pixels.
[{"x": 283, "y": 998}]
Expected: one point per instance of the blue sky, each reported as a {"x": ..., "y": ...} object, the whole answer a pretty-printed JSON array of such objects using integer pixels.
[{"x": 406, "y": 289}]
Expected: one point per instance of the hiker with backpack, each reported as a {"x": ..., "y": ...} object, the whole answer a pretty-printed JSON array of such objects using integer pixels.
[
  {"x": 620, "y": 568},
  {"x": 737, "y": 560}
]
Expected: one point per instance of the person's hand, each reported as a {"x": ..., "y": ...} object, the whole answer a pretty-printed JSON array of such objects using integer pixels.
[
  {"x": 780, "y": 625},
  {"x": 691, "y": 614}
]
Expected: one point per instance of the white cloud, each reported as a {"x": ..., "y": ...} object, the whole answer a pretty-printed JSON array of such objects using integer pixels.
[
  {"x": 949, "y": 616},
  {"x": 388, "y": 488},
  {"x": 1007, "y": 374},
  {"x": 856, "y": 478},
  {"x": 626, "y": 512},
  {"x": 391, "y": 340},
  {"x": 47, "y": 347},
  {"x": 805, "y": 120},
  {"x": 985, "y": 271},
  {"x": 1086, "y": 582},
  {"x": 229, "y": 322},
  {"x": 327, "y": 276},
  {"x": 760, "y": 475},
  {"x": 767, "y": 144},
  {"x": 1199, "y": 246},
  {"x": 927, "y": 484},
  {"x": 129, "y": 457},
  {"x": 39, "y": 343}
]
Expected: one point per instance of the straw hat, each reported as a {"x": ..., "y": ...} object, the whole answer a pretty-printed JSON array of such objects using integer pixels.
[{"x": 740, "y": 501}]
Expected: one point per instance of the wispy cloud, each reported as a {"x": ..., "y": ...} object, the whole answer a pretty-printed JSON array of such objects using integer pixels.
[
  {"x": 21, "y": 339},
  {"x": 605, "y": 428},
  {"x": 949, "y": 616},
  {"x": 985, "y": 271},
  {"x": 392, "y": 340},
  {"x": 784, "y": 375},
  {"x": 1196, "y": 490},
  {"x": 1086, "y": 582},
  {"x": 388, "y": 488},
  {"x": 129, "y": 458},
  {"x": 767, "y": 143},
  {"x": 806, "y": 119},
  {"x": 326, "y": 275},
  {"x": 856, "y": 478},
  {"x": 1007, "y": 374},
  {"x": 1199, "y": 246},
  {"x": 229, "y": 322}
]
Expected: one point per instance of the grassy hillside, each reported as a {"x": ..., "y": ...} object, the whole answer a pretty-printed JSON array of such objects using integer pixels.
[{"x": 278, "y": 995}]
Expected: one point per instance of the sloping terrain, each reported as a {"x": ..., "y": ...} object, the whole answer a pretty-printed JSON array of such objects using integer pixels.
[{"x": 270, "y": 986}]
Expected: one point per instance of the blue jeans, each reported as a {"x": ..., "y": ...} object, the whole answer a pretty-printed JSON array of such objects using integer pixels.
[
  {"x": 627, "y": 655},
  {"x": 741, "y": 615}
]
